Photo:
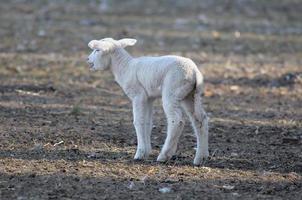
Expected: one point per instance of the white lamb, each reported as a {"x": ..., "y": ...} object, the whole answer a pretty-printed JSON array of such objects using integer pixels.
[{"x": 176, "y": 79}]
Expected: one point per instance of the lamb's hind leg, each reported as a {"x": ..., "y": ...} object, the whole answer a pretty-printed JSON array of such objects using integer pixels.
[
  {"x": 200, "y": 126},
  {"x": 175, "y": 120}
]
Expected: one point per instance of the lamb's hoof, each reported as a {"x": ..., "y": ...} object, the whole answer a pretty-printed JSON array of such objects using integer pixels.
[
  {"x": 163, "y": 157},
  {"x": 141, "y": 154},
  {"x": 201, "y": 160}
]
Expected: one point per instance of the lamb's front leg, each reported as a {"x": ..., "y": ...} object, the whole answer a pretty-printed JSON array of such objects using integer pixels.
[
  {"x": 140, "y": 111},
  {"x": 149, "y": 123}
]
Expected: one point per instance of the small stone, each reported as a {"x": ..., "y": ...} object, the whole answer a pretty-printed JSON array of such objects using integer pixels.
[
  {"x": 92, "y": 155},
  {"x": 165, "y": 190},
  {"x": 228, "y": 187},
  {"x": 41, "y": 33},
  {"x": 131, "y": 185},
  {"x": 234, "y": 88},
  {"x": 234, "y": 154},
  {"x": 237, "y": 34},
  {"x": 216, "y": 34},
  {"x": 235, "y": 194}
]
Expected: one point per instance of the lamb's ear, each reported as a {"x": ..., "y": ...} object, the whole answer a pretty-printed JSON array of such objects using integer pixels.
[
  {"x": 94, "y": 44},
  {"x": 100, "y": 45},
  {"x": 127, "y": 42}
]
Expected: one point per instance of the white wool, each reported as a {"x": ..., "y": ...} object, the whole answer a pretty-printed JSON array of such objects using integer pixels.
[{"x": 175, "y": 79}]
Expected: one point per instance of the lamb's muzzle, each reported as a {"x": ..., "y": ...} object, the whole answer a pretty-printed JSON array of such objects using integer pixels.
[{"x": 175, "y": 79}]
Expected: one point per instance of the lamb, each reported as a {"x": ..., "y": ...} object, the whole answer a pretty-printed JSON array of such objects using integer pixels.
[{"x": 175, "y": 79}]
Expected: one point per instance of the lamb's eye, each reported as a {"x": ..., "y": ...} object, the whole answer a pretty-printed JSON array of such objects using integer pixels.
[{"x": 97, "y": 50}]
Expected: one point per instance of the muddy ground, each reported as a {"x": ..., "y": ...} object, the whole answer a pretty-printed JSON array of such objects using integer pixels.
[{"x": 66, "y": 133}]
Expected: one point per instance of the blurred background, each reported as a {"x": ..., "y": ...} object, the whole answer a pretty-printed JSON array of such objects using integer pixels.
[
  {"x": 220, "y": 26},
  {"x": 67, "y": 132}
]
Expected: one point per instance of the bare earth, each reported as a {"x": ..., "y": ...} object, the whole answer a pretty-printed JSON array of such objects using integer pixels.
[{"x": 66, "y": 133}]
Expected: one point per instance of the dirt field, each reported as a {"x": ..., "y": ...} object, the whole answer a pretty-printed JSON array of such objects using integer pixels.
[{"x": 67, "y": 133}]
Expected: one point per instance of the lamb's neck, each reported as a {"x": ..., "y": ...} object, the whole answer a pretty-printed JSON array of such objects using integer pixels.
[{"x": 120, "y": 60}]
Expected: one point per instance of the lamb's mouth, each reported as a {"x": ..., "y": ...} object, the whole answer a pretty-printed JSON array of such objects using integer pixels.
[{"x": 91, "y": 65}]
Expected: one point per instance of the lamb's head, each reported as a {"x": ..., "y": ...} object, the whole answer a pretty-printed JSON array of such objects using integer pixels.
[{"x": 100, "y": 58}]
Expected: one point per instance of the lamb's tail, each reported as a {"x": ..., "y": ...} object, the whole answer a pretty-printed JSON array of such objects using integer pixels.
[{"x": 198, "y": 110}]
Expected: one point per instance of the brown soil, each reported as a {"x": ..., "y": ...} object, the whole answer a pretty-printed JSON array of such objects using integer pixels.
[{"x": 67, "y": 133}]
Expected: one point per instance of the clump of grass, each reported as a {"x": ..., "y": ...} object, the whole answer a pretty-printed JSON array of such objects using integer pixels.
[{"x": 76, "y": 110}]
